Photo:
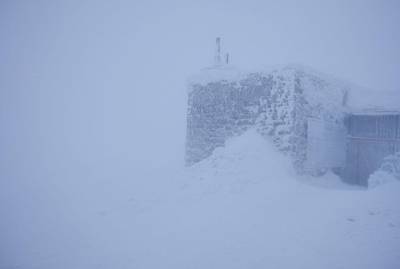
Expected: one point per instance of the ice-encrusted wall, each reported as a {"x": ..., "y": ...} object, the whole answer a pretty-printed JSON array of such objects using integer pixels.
[{"x": 277, "y": 103}]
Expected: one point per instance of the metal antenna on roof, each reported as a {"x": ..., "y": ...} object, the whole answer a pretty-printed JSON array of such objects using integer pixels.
[{"x": 217, "y": 58}]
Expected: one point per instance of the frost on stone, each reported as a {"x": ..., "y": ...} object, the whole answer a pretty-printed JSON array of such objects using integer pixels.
[{"x": 277, "y": 103}]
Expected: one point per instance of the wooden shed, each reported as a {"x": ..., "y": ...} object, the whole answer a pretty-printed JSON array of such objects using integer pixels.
[{"x": 371, "y": 136}]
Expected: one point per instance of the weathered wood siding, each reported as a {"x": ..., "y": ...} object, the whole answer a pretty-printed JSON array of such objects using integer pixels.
[{"x": 370, "y": 139}]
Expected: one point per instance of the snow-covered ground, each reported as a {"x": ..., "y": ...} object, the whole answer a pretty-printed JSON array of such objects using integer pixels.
[{"x": 243, "y": 207}]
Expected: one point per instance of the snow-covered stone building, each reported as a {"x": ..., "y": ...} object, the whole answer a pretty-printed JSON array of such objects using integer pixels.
[
  {"x": 302, "y": 110},
  {"x": 280, "y": 103}
]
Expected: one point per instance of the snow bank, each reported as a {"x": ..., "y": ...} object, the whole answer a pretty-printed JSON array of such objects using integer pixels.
[
  {"x": 379, "y": 178},
  {"x": 245, "y": 159},
  {"x": 387, "y": 173},
  {"x": 245, "y": 208},
  {"x": 240, "y": 208}
]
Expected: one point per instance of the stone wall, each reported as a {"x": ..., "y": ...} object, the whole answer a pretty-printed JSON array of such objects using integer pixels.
[{"x": 274, "y": 103}]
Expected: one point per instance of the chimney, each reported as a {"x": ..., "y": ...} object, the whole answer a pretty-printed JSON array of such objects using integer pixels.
[{"x": 227, "y": 58}]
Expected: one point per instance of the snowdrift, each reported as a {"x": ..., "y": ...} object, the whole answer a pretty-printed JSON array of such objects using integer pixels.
[
  {"x": 240, "y": 208},
  {"x": 249, "y": 158}
]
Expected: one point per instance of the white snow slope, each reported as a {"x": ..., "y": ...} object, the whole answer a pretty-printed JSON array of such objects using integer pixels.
[{"x": 243, "y": 207}]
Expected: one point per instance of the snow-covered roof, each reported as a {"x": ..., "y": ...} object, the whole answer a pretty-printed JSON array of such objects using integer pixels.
[
  {"x": 376, "y": 111},
  {"x": 359, "y": 99},
  {"x": 362, "y": 100},
  {"x": 229, "y": 72},
  {"x": 217, "y": 73}
]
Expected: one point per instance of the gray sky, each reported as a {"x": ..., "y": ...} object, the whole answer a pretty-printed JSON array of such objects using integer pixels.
[
  {"x": 85, "y": 81},
  {"x": 93, "y": 98}
]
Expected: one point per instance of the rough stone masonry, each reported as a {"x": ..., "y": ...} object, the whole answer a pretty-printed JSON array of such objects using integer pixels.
[{"x": 223, "y": 102}]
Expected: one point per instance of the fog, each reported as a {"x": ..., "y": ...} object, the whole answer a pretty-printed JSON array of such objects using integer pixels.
[
  {"x": 83, "y": 80},
  {"x": 93, "y": 93}
]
